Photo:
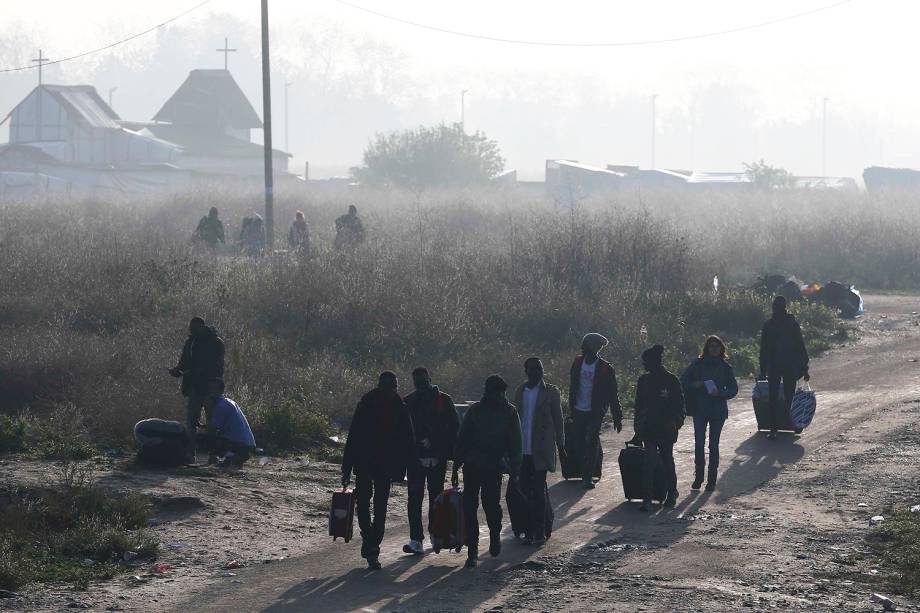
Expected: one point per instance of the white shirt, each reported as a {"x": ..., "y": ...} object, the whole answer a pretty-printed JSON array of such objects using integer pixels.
[
  {"x": 586, "y": 386},
  {"x": 527, "y": 412}
]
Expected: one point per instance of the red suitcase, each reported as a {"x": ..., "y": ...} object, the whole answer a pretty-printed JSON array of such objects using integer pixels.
[
  {"x": 342, "y": 515},
  {"x": 448, "y": 530}
]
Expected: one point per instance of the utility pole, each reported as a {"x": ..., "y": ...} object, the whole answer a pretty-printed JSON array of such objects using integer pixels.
[
  {"x": 40, "y": 61},
  {"x": 654, "y": 99},
  {"x": 112, "y": 90},
  {"x": 226, "y": 51},
  {"x": 824, "y": 141},
  {"x": 463, "y": 108},
  {"x": 267, "y": 134},
  {"x": 287, "y": 142}
]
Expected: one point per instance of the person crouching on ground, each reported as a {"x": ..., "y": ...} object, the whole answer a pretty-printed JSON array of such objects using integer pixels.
[
  {"x": 659, "y": 415},
  {"x": 592, "y": 391},
  {"x": 229, "y": 431},
  {"x": 542, "y": 433},
  {"x": 709, "y": 383},
  {"x": 435, "y": 425},
  {"x": 489, "y": 444},
  {"x": 378, "y": 449}
]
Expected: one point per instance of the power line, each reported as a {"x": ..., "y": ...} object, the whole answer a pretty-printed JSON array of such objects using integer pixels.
[
  {"x": 111, "y": 45},
  {"x": 633, "y": 43}
]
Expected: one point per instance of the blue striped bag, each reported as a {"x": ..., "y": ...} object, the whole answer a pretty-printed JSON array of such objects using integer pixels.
[{"x": 803, "y": 408}]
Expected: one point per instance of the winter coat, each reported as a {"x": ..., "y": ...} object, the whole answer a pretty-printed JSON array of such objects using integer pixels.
[
  {"x": 210, "y": 230},
  {"x": 697, "y": 400},
  {"x": 782, "y": 348},
  {"x": 659, "y": 406},
  {"x": 435, "y": 420},
  {"x": 548, "y": 429},
  {"x": 603, "y": 394},
  {"x": 490, "y": 438},
  {"x": 380, "y": 439},
  {"x": 202, "y": 360}
]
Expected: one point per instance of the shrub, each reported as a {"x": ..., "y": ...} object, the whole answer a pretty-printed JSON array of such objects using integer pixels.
[
  {"x": 12, "y": 434},
  {"x": 897, "y": 542}
]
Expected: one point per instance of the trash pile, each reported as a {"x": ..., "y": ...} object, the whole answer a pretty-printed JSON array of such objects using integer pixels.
[{"x": 841, "y": 297}]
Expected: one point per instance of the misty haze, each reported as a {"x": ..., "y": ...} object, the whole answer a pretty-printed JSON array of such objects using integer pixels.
[{"x": 407, "y": 306}]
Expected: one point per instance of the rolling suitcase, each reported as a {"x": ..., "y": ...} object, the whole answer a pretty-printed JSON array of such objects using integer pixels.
[
  {"x": 760, "y": 397},
  {"x": 342, "y": 515},
  {"x": 571, "y": 468},
  {"x": 632, "y": 465},
  {"x": 448, "y": 530},
  {"x": 519, "y": 511}
]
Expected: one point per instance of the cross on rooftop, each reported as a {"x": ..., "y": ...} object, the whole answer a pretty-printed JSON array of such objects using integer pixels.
[
  {"x": 226, "y": 51},
  {"x": 40, "y": 61}
]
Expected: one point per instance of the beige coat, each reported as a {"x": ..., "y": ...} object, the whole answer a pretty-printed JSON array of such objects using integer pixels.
[{"x": 548, "y": 428}]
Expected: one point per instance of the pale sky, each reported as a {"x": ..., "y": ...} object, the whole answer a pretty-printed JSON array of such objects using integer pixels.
[{"x": 857, "y": 55}]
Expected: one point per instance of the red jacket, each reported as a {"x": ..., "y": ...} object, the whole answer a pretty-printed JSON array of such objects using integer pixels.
[{"x": 603, "y": 395}]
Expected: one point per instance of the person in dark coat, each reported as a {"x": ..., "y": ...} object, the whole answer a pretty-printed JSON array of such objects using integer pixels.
[
  {"x": 435, "y": 425},
  {"x": 349, "y": 230},
  {"x": 542, "y": 433},
  {"x": 659, "y": 415},
  {"x": 201, "y": 361},
  {"x": 709, "y": 383},
  {"x": 299, "y": 234},
  {"x": 378, "y": 449},
  {"x": 210, "y": 229},
  {"x": 488, "y": 445},
  {"x": 783, "y": 360},
  {"x": 592, "y": 391}
]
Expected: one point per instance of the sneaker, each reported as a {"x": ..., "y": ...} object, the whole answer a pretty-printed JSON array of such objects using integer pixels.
[
  {"x": 470, "y": 562},
  {"x": 711, "y": 486},
  {"x": 589, "y": 485},
  {"x": 671, "y": 501},
  {"x": 537, "y": 542},
  {"x": 414, "y": 547},
  {"x": 373, "y": 564},
  {"x": 495, "y": 544},
  {"x": 697, "y": 483}
]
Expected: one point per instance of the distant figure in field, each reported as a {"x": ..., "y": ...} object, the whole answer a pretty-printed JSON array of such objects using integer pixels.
[
  {"x": 539, "y": 407},
  {"x": 592, "y": 391},
  {"x": 201, "y": 361},
  {"x": 378, "y": 449},
  {"x": 210, "y": 229},
  {"x": 709, "y": 383},
  {"x": 435, "y": 424},
  {"x": 230, "y": 436},
  {"x": 489, "y": 444},
  {"x": 659, "y": 415},
  {"x": 783, "y": 359},
  {"x": 252, "y": 236},
  {"x": 299, "y": 234},
  {"x": 349, "y": 231}
]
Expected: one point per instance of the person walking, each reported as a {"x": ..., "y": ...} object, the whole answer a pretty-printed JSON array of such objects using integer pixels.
[
  {"x": 659, "y": 415},
  {"x": 542, "y": 434},
  {"x": 299, "y": 234},
  {"x": 435, "y": 425},
  {"x": 210, "y": 229},
  {"x": 349, "y": 230},
  {"x": 709, "y": 383},
  {"x": 592, "y": 392},
  {"x": 488, "y": 445},
  {"x": 378, "y": 449},
  {"x": 783, "y": 361},
  {"x": 201, "y": 361}
]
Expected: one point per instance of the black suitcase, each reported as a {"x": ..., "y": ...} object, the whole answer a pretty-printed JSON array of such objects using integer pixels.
[
  {"x": 632, "y": 464},
  {"x": 571, "y": 468},
  {"x": 161, "y": 442},
  {"x": 761, "y": 402},
  {"x": 342, "y": 515},
  {"x": 519, "y": 511}
]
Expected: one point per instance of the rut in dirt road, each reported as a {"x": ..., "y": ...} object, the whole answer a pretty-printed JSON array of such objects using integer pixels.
[{"x": 853, "y": 383}]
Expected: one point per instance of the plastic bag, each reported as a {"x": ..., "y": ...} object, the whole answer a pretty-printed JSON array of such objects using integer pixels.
[{"x": 804, "y": 405}]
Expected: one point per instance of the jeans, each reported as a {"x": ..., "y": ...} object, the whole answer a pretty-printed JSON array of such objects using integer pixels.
[
  {"x": 369, "y": 486},
  {"x": 533, "y": 486},
  {"x": 194, "y": 404},
  {"x": 418, "y": 476},
  {"x": 586, "y": 430},
  {"x": 777, "y": 410},
  {"x": 699, "y": 432},
  {"x": 659, "y": 451},
  {"x": 488, "y": 484}
]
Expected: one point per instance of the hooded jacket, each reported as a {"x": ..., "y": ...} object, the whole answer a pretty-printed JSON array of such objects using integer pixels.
[
  {"x": 490, "y": 437},
  {"x": 782, "y": 348},
  {"x": 434, "y": 418},
  {"x": 202, "y": 360},
  {"x": 604, "y": 394},
  {"x": 380, "y": 439},
  {"x": 659, "y": 406}
]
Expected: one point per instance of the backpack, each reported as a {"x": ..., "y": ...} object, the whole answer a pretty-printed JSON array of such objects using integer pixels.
[{"x": 161, "y": 442}]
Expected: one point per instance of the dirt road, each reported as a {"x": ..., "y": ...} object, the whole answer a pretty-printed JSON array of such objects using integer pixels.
[{"x": 771, "y": 535}]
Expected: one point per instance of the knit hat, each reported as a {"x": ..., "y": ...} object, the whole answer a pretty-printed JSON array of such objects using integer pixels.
[
  {"x": 495, "y": 383},
  {"x": 652, "y": 356},
  {"x": 594, "y": 341}
]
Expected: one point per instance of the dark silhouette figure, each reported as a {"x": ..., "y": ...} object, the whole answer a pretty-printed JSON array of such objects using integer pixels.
[
  {"x": 299, "y": 234},
  {"x": 659, "y": 415},
  {"x": 592, "y": 391},
  {"x": 201, "y": 361},
  {"x": 349, "y": 231},
  {"x": 210, "y": 229},
  {"x": 783, "y": 360},
  {"x": 378, "y": 449},
  {"x": 252, "y": 236}
]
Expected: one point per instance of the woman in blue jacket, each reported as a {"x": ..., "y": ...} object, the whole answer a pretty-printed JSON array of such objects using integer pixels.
[{"x": 709, "y": 383}]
